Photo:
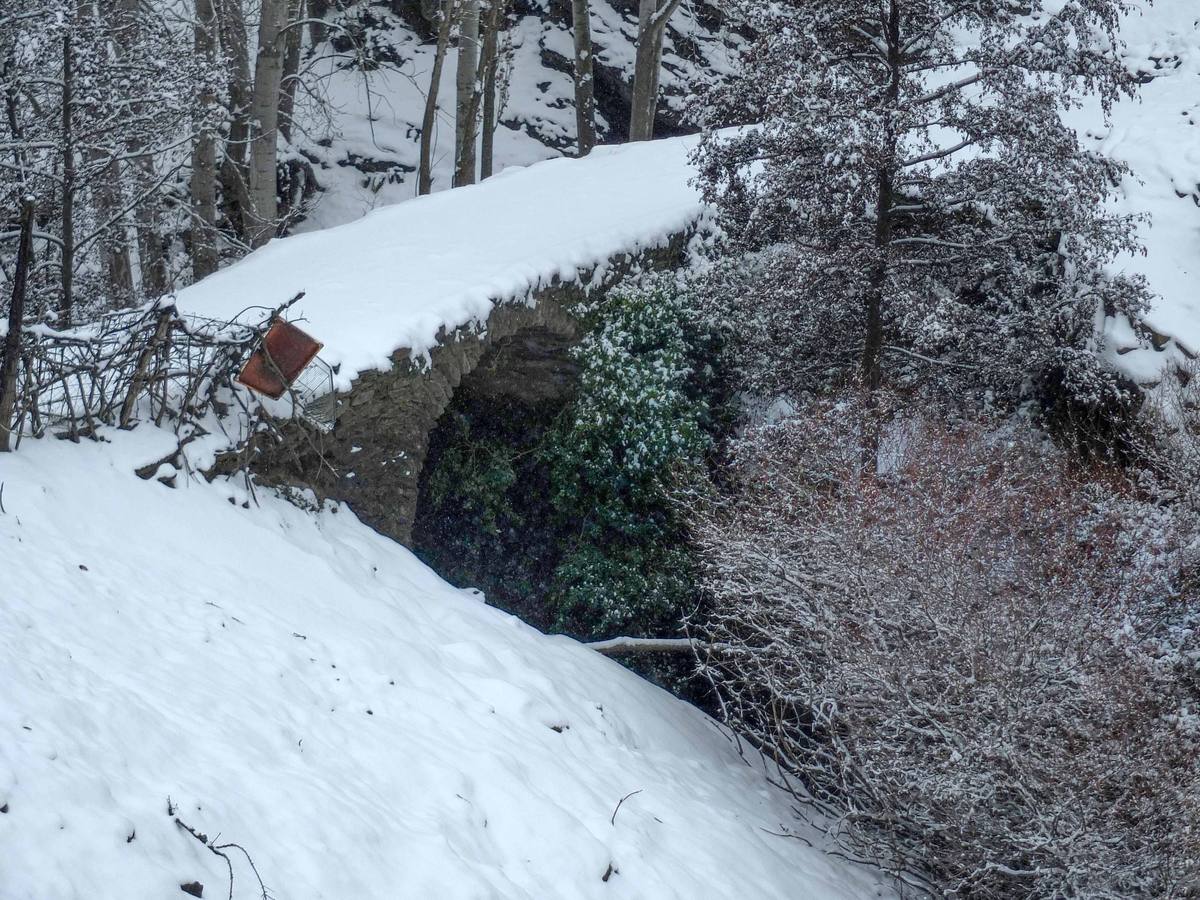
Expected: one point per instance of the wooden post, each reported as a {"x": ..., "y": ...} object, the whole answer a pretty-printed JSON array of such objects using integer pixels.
[
  {"x": 161, "y": 330},
  {"x": 16, "y": 317}
]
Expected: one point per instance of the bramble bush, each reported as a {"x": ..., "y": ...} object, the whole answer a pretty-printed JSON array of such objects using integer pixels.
[{"x": 978, "y": 660}]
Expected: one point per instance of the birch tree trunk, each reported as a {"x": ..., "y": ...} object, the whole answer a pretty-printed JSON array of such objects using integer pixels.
[
  {"x": 467, "y": 99},
  {"x": 264, "y": 121},
  {"x": 585, "y": 93},
  {"x": 203, "y": 186},
  {"x": 652, "y": 25},
  {"x": 429, "y": 121},
  {"x": 235, "y": 193}
]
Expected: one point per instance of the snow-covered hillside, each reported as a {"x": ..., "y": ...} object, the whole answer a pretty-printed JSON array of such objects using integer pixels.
[
  {"x": 365, "y": 146},
  {"x": 1158, "y": 135},
  {"x": 308, "y": 690}
]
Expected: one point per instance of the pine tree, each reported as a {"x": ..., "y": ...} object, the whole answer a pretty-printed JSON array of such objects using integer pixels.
[{"x": 911, "y": 203}]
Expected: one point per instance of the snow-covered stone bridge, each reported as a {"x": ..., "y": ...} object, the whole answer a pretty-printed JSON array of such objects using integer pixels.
[{"x": 474, "y": 283}]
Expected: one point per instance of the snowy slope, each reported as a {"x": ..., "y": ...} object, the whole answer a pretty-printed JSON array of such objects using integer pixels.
[
  {"x": 1158, "y": 135},
  {"x": 365, "y": 146},
  {"x": 395, "y": 277},
  {"x": 310, "y": 691}
]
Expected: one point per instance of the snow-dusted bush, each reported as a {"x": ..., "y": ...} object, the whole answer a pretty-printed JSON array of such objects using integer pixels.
[
  {"x": 634, "y": 429},
  {"x": 565, "y": 513},
  {"x": 969, "y": 659},
  {"x": 1171, "y": 447}
]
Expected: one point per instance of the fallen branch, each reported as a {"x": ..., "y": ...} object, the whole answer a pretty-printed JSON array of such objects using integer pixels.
[
  {"x": 219, "y": 850},
  {"x": 629, "y": 646},
  {"x": 613, "y": 820}
]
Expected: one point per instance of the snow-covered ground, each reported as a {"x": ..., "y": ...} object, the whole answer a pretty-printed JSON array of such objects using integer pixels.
[
  {"x": 394, "y": 278},
  {"x": 375, "y": 115},
  {"x": 307, "y": 689},
  {"x": 1158, "y": 135}
]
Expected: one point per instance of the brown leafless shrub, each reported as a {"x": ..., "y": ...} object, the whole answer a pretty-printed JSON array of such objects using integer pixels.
[
  {"x": 1170, "y": 444},
  {"x": 952, "y": 657}
]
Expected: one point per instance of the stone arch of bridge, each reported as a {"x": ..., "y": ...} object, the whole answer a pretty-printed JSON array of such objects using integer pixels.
[
  {"x": 379, "y": 443},
  {"x": 373, "y": 456}
]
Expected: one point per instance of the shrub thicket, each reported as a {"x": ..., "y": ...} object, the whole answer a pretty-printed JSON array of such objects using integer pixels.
[{"x": 979, "y": 663}]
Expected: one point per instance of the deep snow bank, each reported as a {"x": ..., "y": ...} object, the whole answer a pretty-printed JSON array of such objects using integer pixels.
[
  {"x": 309, "y": 690},
  {"x": 395, "y": 277}
]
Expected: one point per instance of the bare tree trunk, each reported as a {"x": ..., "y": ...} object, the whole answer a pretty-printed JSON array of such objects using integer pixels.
[
  {"x": 585, "y": 91},
  {"x": 317, "y": 30},
  {"x": 429, "y": 122},
  {"x": 152, "y": 255},
  {"x": 116, "y": 261},
  {"x": 885, "y": 200},
  {"x": 293, "y": 39},
  {"x": 872, "y": 358},
  {"x": 10, "y": 109},
  {"x": 67, "y": 300},
  {"x": 16, "y": 318},
  {"x": 203, "y": 186},
  {"x": 467, "y": 99},
  {"x": 873, "y": 306},
  {"x": 487, "y": 141},
  {"x": 652, "y": 25},
  {"x": 488, "y": 64},
  {"x": 231, "y": 26},
  {"x": 264, "y": 121}
]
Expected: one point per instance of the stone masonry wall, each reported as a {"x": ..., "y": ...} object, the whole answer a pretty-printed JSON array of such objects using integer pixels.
[{"x": 372, "y": 457}]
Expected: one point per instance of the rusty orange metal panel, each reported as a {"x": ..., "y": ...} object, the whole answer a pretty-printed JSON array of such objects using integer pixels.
[{"x": 284, "y": 353}]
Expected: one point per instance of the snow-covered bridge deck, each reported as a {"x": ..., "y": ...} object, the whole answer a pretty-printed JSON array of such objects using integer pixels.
[
  {"x": 444, "y": 279},
  {"x": 412, "y": 299},
  {"x": 397, "y": 277}
]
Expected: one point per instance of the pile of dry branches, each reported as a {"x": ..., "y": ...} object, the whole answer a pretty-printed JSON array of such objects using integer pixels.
[{"x": 151, "y": 364}]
